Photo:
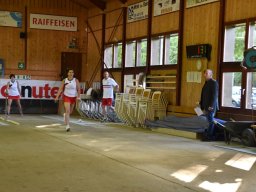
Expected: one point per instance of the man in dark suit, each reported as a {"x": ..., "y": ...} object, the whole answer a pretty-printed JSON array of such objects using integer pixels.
[{"x": 209, "y": 101}]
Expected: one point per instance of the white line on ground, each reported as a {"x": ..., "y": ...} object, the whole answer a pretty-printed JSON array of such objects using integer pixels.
[{"x": 74, "y": 121}]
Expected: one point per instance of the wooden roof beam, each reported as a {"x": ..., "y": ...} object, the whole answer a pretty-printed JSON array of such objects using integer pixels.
[
  {"x": 99, "y": 3},
  {"x": 123, "y": 1},
  {"x": 79, "y": 4}
]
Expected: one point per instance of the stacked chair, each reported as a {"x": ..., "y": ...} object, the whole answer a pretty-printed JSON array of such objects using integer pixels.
[
  {"x": 132, "y": 108},
  {"x": 135, "y": 107},
  {"x": 157, "y": 106}
]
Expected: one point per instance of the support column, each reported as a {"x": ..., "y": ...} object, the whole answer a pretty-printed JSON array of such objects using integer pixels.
[
  {"x": 180, "y": 52},
  {"x": 123, "y": 46},
  {"x": 150, "y": 13}
]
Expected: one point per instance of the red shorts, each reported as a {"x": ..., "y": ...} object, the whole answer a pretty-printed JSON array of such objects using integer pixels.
[
  {"x": 70, "y": 100},
  {"x": 17, "y": 97},
  {"x": 106, "y": 101}
]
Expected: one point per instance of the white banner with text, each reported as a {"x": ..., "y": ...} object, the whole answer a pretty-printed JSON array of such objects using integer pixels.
[
  {"x": 138, "y": 11},
  {"x": 165, "y": 6},
  {"x": 192, "y": 3},
  {"x": 52, "y": 22},
  {"x": 35, "y": 89}
]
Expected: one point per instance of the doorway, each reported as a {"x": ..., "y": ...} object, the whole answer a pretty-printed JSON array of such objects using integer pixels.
[{"x": 70, "y": 60}]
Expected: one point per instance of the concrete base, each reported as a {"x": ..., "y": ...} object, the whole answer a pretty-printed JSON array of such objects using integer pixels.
[{"x": 179, "y": 133}]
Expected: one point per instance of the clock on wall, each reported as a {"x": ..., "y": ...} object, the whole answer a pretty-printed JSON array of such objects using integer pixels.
[{"x": 199, "y": 51}]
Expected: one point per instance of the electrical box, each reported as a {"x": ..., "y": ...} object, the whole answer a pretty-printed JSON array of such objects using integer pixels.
[{"x": 199, "y": 51}]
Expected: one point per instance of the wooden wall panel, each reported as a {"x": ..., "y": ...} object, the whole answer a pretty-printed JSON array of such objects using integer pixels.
[
  {"x": 44, "y": 47},
  {"x": 93, "y": 56},
  {"x": 95, "y": 22},
  {"x": 113, "y": 18},
  {"x": 240, "y": 9},
  {"x": 165, "y": 23},
  {"x": 114, "y": 34},
  {"x": 113, "y": 4},
  {"x": 11, "y": 46},
  {"x": 137, "y": 29},
  {"x": 93, "y": 11},
  {"x": 198, "y": 31},
  {"x": 114, "y": 25},
  {"x": 170, "y": 95}
]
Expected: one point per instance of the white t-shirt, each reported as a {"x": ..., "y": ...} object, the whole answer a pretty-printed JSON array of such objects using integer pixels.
[
  {"x": 70, "y": 87},
  {"x": 108, "y": 87},
  {"x": 13, "y": 89}
]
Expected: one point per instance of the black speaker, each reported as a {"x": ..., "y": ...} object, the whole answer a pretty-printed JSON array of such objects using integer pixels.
[{"x": 23, "y": 35}]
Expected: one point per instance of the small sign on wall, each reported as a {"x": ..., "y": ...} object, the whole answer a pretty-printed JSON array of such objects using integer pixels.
[
  {"x": 10, "y": 19},
  {"x": 165, "y": 6},
  {"x": 137, "y": 11},
  {"x": 21, "y": 65},
  {"x": 192, "y": 3},
  {"x": 194, "y": 77},
  {"x": 23, "y": 77}
]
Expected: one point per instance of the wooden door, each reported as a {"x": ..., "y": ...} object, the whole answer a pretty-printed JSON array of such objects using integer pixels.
[{"x": 73, "y": 61}]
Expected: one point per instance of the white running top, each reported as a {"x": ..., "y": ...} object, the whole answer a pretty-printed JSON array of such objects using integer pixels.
[
  {"x": 13, "y": 88},
  {"x": 108, "y": 87},
  {"x": 70, "y": 88}
]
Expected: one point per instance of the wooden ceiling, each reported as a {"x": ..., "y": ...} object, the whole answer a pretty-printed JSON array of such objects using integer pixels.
[{"x": 101, "y": 4}]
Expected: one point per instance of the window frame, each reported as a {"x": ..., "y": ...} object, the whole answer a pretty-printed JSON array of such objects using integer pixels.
[
  {"x": 235, "y": 66},
  {"x": 164, "y": 64},
  {"x": 136, "y": 40},
  {"x": 112, "y": 45}
]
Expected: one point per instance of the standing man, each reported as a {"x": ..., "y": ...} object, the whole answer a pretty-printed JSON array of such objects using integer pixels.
[
  {"x": 209, "y": 101},
  {"x": 109, "y": 85}
]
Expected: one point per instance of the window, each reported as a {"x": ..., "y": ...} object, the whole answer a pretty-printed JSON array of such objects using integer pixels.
[
  {"x": 251, "y": 90},
  {"x": 252, "y": 35},
  {"x": 108, "y": 56},
  {"x": 141, "y": 52},
  {"x": 157, "y": 45},
  {"x": 164, "y": 50},
  {"x": 118, "y": 55},
  {"x": 130, "y": 54},
  {"x": 128, "y": 82},
  {"x": 171, "y": 49},
  {"x": 238, "y": 85},
  {"x": 231, "y": 89},
  {"x": 234, "y": 43},
  {"x": 113, "y": 56},
  {"x": 136, "y": 53}
]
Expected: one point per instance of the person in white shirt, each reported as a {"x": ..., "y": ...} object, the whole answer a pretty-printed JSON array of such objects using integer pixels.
[
  {"x": 13, "y": 93},
  {"x": 109, "y": 85},
  {"x": 70, "y": 88}
]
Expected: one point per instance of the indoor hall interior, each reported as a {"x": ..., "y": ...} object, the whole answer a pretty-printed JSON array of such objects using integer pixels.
[{"x": 164, "y": 95}]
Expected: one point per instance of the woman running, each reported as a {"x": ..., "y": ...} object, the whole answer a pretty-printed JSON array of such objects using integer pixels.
[
  {"x": 13, "y": 93},
  {"x": 71, "y": 92}
]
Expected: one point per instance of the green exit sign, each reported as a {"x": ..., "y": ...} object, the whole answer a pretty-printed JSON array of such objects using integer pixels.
[{"x": 21, "y": 65}]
